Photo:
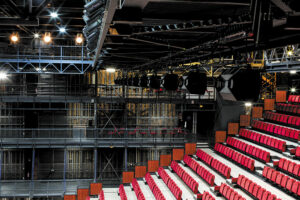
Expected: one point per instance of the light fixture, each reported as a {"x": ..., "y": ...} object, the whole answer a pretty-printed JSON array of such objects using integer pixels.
[
  {"x": 111, "y": 70},
  {"x": 53, "y": 14},
  {"x": 293, "y": 72},
  {"x": 293, "y": 90},
  {"x": 290, "y": 50},
  {"x": 36, "y": 35},
  {"x": 47, "y": 38},
  {"x": 248, "y": 104},
  {"x": 14, "y": 38},
  {"x": 62, "y": 29},
  {"x": 79, "y": 38},
  {"x": 3, "y": 75}
]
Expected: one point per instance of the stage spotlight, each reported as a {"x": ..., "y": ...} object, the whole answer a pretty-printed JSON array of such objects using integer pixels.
[
  {"x": 54, "y": 15},
  {"x": 62, "y": 29},
  {"x": 248, "y": 104},
  {"x": 290, "y": 50},
  {"x": 47, "y": 38},
  {"x": 293, "y": 72},
  {"x": 36, "y": 35},
  {"x": 154, "y": 82},
  {"x": 293, "y": 90},
  {"x": 110, "y": 70},
  {"x": 14, "y": 38},
  {"x": 3, "y": 75},
  {"x": 144, "y": 81},
  {"x": 171, "y": 82},
  {"x": 79, "y": 39},
  {"x": 196, "y": 82},
  {"x": 136, "y": 81}
]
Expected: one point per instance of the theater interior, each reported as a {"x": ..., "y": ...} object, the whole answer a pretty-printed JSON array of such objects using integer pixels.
[{"x": 149, "y": 99}]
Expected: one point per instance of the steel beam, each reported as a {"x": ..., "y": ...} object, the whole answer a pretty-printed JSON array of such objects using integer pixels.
[
  {"x": 10, "y": 21},
  {"x": 37, "y": 11}
]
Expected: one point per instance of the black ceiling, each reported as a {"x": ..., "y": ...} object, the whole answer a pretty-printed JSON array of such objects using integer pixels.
[
  {"x": 33, "y": 16},
  {"x": 157, "y": 33}
]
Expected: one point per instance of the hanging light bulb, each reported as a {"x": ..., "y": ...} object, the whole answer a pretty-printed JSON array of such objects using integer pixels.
[
  {"x": 47, "y": 38},
  {"x": 14, "y": 38},
  {"x": 79, "y": 39}
]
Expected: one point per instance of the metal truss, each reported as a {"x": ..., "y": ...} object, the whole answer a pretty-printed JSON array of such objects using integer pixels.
[
  {"x": 45, "y": 59},
  {"x": 282, "y": 58}
]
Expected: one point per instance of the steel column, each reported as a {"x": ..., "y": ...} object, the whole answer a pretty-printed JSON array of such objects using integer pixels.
[
  {"x": 32, "y": 171},
  {"x": 95, "y": 163},
  {"x": 125, "y": 159},
  {"x": 65, "y": 168}
]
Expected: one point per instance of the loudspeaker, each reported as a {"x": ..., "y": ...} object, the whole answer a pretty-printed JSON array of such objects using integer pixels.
[
  {"x": 136, "y": 81},
  {"x": 154, "y": 82},
  {"x": 144, "y": 81},
  {"x": 242, "y": 85},
  {"x": 196, "y": 82},
  {"x": 171, "y": 82}
]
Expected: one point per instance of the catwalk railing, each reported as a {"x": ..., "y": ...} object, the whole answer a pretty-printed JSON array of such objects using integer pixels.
[
  {"x": 40, "y": 188},
  {"x": 89, "y": 137},
  {"x": 65, "y": 89},
  {"x": 45, "y": 59}
]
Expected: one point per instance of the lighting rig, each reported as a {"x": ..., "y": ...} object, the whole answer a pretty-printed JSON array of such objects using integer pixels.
[{"x": 93, "y": 14}]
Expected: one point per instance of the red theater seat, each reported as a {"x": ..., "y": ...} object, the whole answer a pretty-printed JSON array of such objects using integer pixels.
[
  {"x": 258, "y": 153},
  {"x": 278, "y": 130},
  {"x": 281, "y": 180},
  {"x": 287, "y": 166},
  {"x": 187, "y": 179},
  {"x": 122, "y": 192},
  {"x": 235, "y": 156}
]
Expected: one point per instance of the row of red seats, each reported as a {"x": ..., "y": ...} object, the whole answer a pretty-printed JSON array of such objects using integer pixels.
[
  {"x": 201, "y": 171},
  {"x": 296, "y": 152},
  {"x": 276, "y": 129},
  {"x": 229, "y": 193},
  {"x": 189, "y": 181},
  {"x": 288, "y": 166},
  {"x": 214, "y": 163},
  {"x": 290, "y": 108},
  {"x": 282, "y": 180},
  {"x": 205, "y": 157},
  {"x": 137, "y": 190},
  {"x": 101, "y": 195},
  {"x": 249, "y": 149},
  {"x": 154, "y": 188},
  {"x": 207, "y": 196},
  {"x": 235, "y": 156},
  {"x": 294, "y": 99},
  {"x": 122, "y": 192},
  {"x": 263, "y": 139},
  {"x": 254, "y": 189},
  {"x": 282, "y": 118},
  {"x": 176, "y": 191}
]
